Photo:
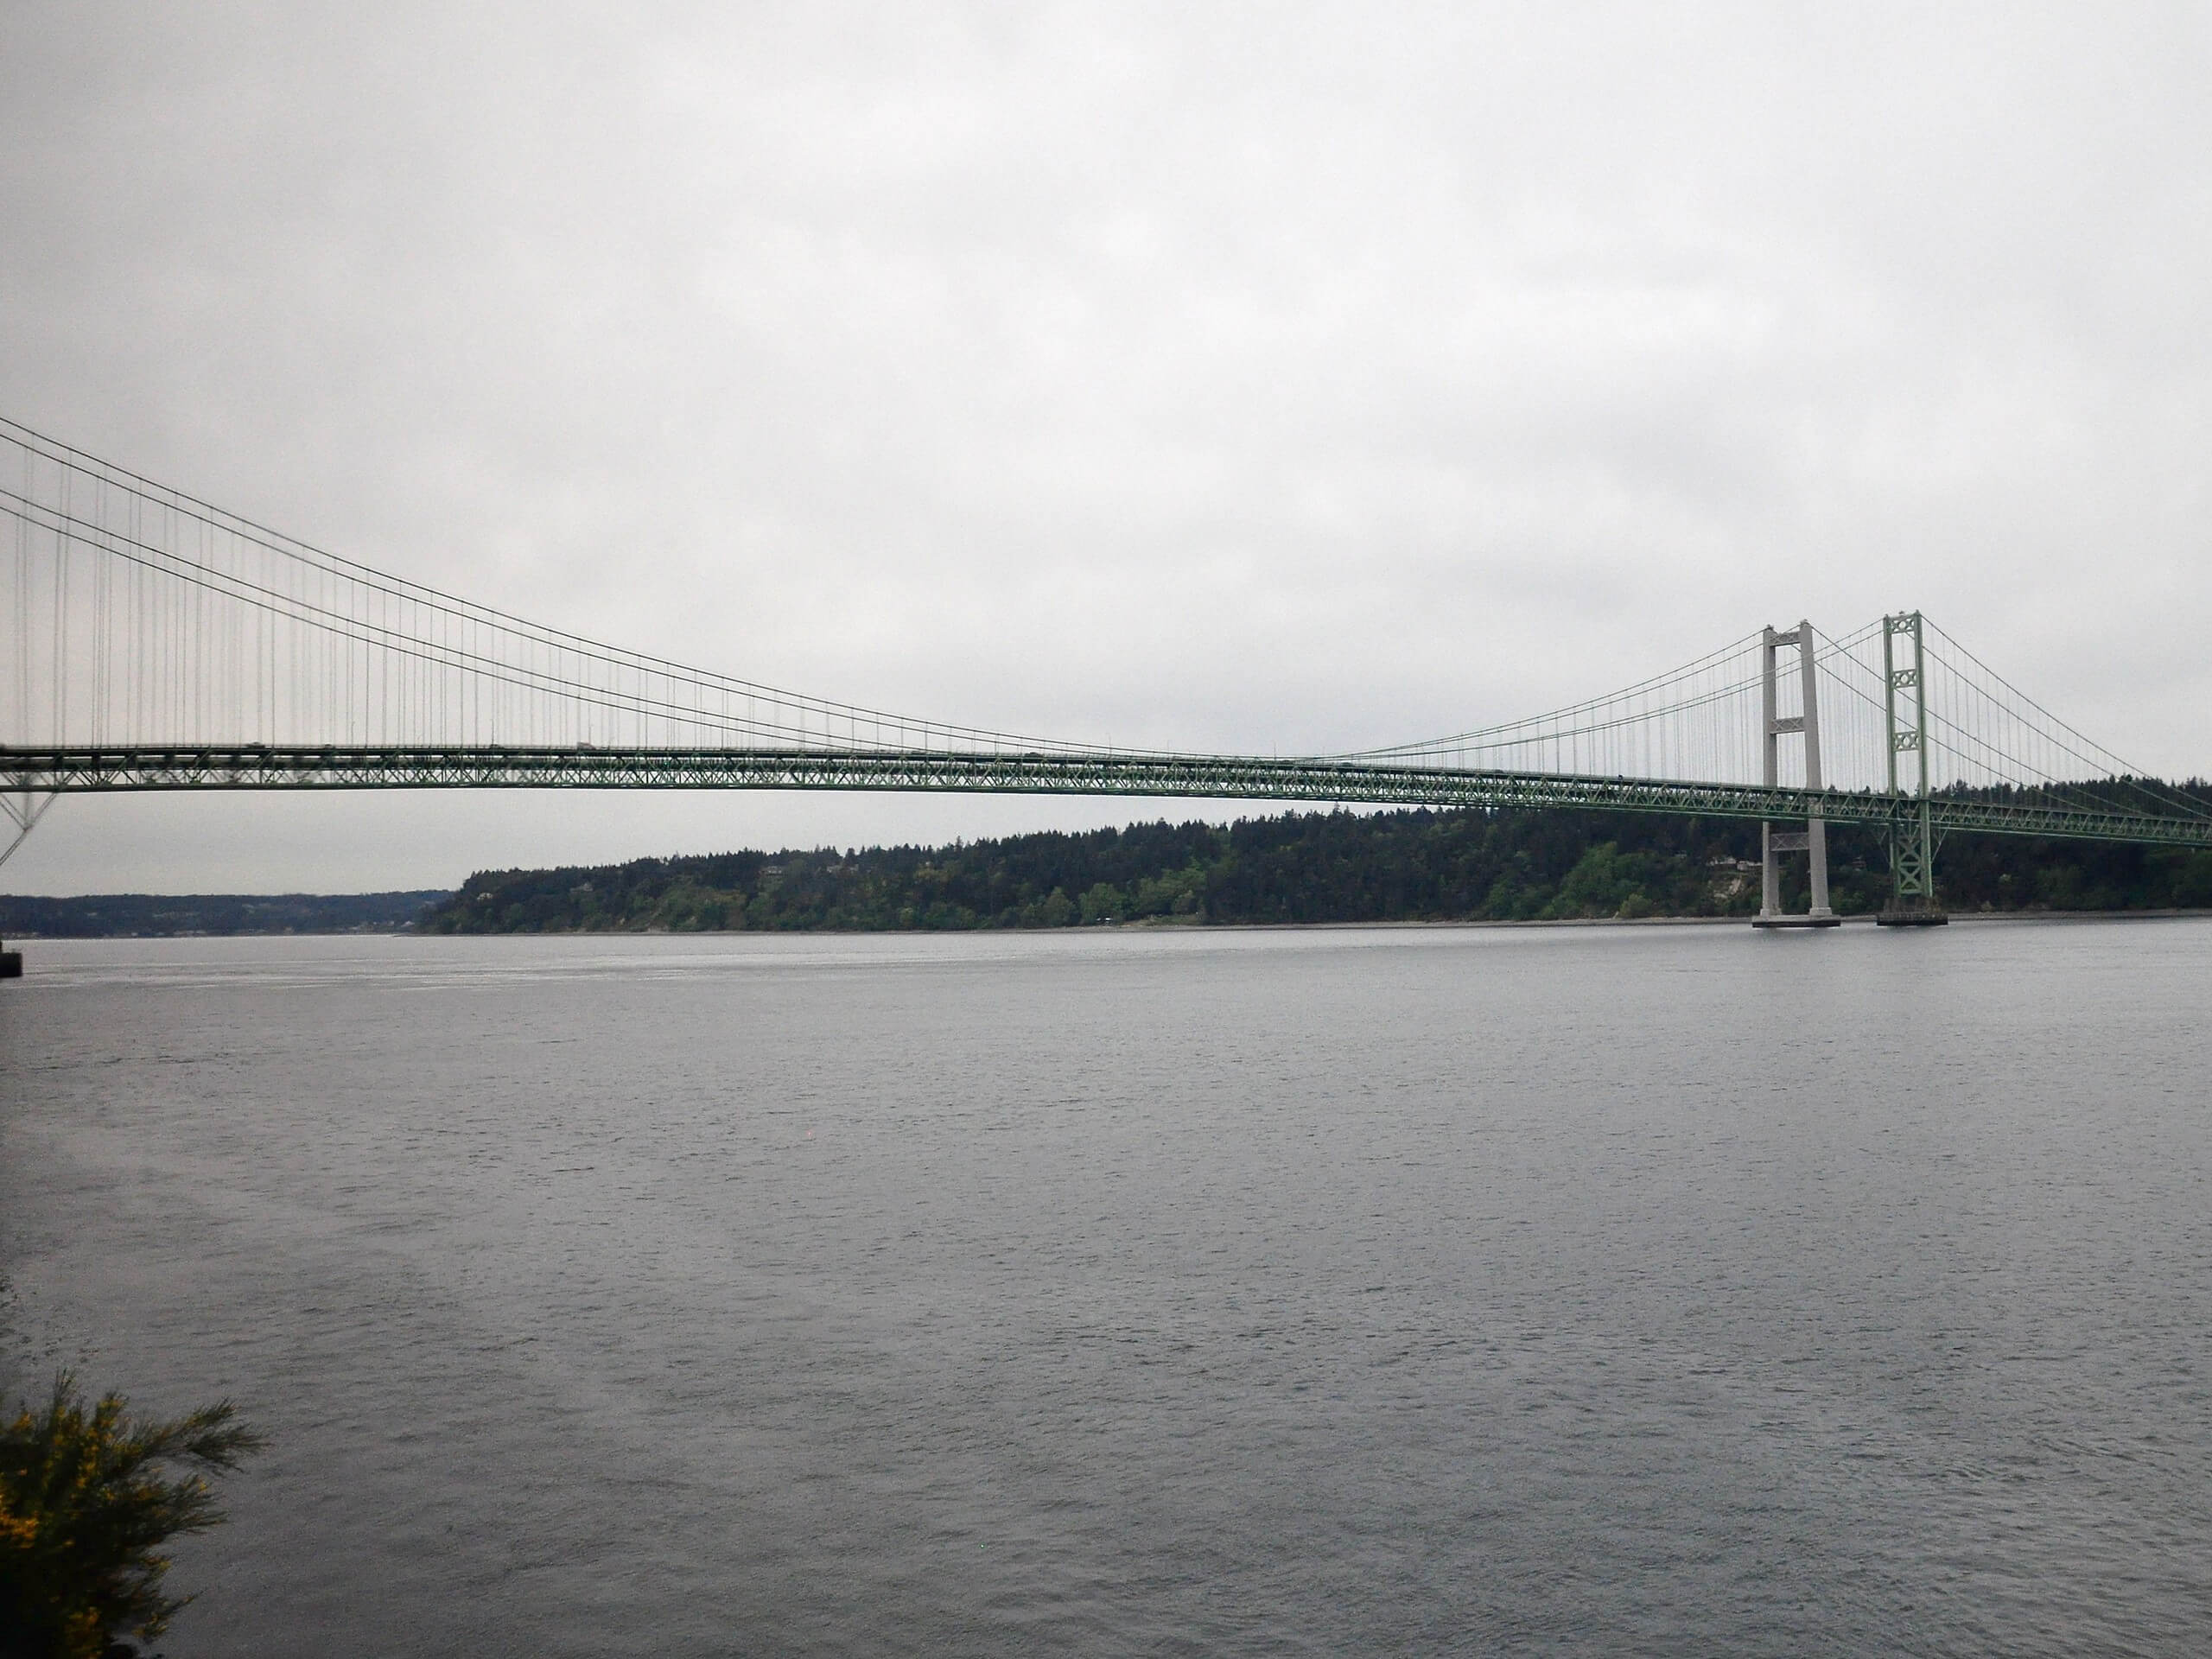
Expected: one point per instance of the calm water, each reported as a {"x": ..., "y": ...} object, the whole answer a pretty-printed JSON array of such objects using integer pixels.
[{"x": 1665, "y": 1290}]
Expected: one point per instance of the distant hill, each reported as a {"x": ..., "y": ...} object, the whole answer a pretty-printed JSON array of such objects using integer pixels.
[
  {"x": 1319, "y": 867},
  {"x": 154, "y": 915},
  {"x": 1311, "y": 866}
]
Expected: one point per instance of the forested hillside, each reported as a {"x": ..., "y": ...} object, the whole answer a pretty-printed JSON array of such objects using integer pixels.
[
  {"x": 152, "y": 915},
  {"x": 1333, "y": 867}
]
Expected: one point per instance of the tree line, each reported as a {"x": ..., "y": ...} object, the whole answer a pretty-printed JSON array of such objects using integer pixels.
[
  {"x": 1317, "y": 867},
  {"x": 157, "y": 916}
]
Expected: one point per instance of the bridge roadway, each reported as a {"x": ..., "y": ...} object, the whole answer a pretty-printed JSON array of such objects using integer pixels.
[{"x": 1314, "y": 780}]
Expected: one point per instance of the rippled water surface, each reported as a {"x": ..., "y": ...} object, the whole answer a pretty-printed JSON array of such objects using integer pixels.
[{"x": 1666, "y": 1290}]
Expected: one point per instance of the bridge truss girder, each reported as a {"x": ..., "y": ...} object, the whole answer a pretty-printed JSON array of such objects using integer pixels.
[{"x": 1312, "y": 781}]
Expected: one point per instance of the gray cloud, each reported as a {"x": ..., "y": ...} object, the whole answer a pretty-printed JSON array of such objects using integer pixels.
[{"x": 1275, "y": 377}]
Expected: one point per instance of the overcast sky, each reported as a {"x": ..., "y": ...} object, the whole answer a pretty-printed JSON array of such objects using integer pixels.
[{"x": 1254, "y": 377}]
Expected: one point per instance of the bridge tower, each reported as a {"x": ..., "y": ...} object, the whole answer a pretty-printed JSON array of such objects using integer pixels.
[
  {"x": 1813, "y": 840},
  {"x": 24, "y": 818},
  {"x": 1912, "y": 838}
]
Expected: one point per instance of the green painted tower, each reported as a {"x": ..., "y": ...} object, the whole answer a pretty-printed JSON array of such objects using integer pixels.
[{"x": 1911, "y": 826}]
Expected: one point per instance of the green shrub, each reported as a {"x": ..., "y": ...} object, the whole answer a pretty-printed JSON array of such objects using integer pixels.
[{"x": 86, "y": 1504}]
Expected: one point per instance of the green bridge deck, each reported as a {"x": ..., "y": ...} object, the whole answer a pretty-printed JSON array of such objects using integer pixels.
[{"x": 1317, "y": 781}]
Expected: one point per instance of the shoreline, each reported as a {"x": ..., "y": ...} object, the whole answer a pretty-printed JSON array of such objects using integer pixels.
[{"x": 1862, "y": 919}]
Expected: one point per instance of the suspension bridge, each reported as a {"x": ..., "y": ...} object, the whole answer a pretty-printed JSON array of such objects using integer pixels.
[{"x": 156, "y": 642}]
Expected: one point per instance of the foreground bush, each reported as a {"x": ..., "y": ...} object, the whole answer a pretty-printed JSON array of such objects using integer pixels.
[{"x": 86, "y": 1501}]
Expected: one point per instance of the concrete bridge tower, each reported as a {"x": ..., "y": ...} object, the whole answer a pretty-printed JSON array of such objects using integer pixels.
[{"x": 1813, "y": 840}]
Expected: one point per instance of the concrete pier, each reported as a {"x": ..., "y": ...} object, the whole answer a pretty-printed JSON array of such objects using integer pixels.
[{"x": 11, "y": 963}]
